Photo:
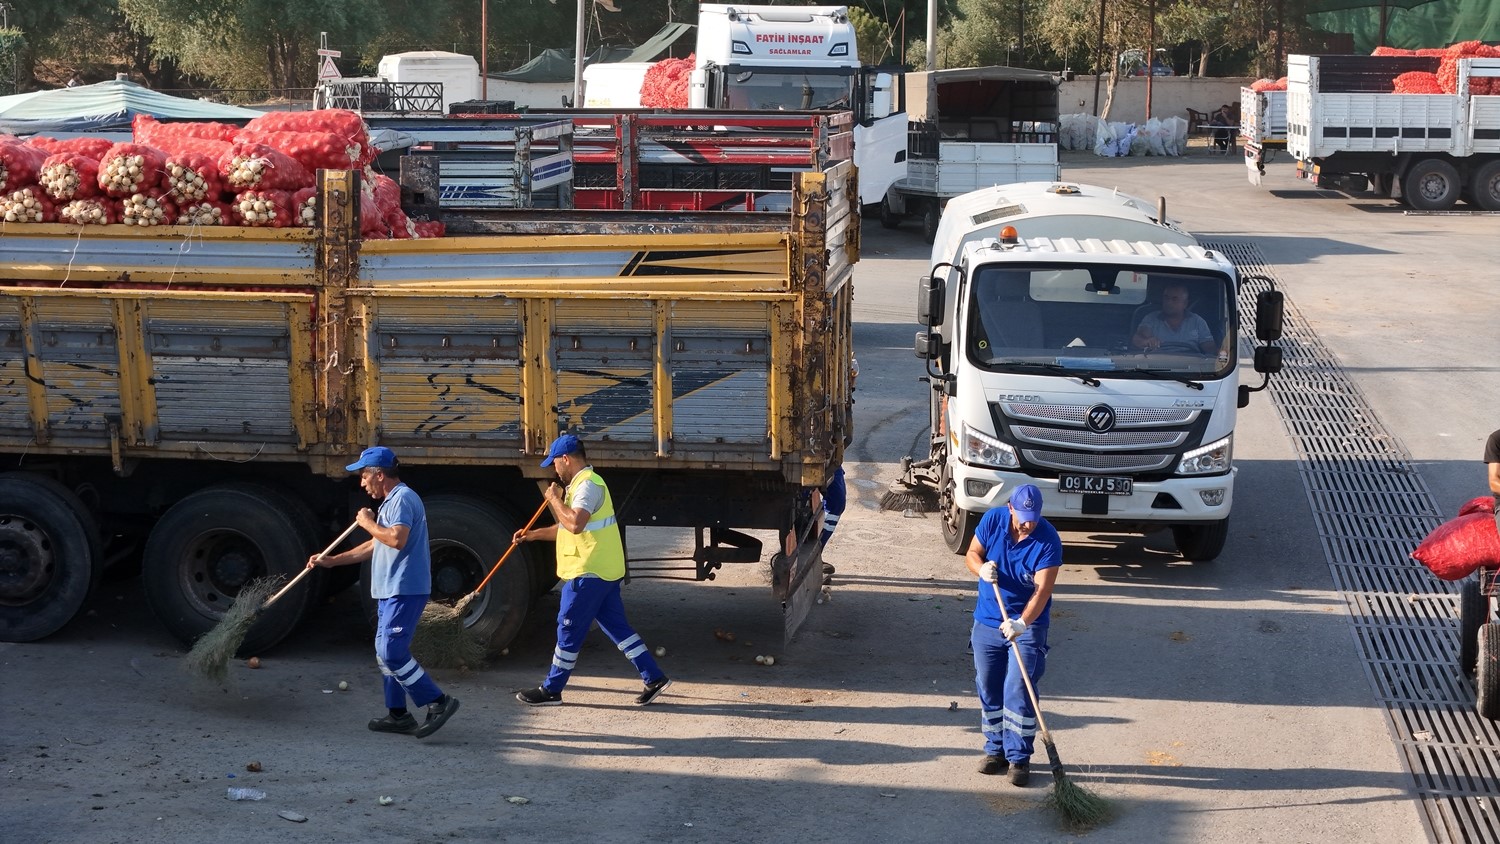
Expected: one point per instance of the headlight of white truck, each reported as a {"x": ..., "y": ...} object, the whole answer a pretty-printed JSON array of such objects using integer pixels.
[
  {"x": 984, "y": 450},
  {"x": 1211, "y": 459}
]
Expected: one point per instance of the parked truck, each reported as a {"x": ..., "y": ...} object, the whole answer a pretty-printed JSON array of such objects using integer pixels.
[
  {"x": 1040, "y": 371},
  {"x": 971, "y": 128},
  {"x": 1348, "y": 132},
  {"x": 189, "y": 398},
  {"x": 1262, "y": 128}
]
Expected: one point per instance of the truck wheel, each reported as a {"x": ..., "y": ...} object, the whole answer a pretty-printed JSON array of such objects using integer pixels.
[
  {"x": 1201, "y": 542},
  {"x": 1473, "y": 606},
  {"x": 47, "y": 559},
  {"x": 467, "y": 535},
  {"x": 930, "y": 218},
  {"x": 1485, "y": 188},
  {"x": 958, "y": 523},
  {"x": 888, "y": 218},
  {"x": 1432, "y": 184},
  {"x": 212, "y": 543},
  {"x": 1487, "y": 673}
]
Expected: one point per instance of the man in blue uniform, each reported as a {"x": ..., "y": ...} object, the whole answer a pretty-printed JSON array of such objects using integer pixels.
[
  {"x": 1017, "y": 550},
  {"x": 400, "y": 582}
]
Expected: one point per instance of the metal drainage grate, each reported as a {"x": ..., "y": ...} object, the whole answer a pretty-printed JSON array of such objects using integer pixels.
[{"x": 1371, "y": 508}]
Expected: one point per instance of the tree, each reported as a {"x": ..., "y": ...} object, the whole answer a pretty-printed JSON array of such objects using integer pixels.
[{"x": 874, "y": 37}]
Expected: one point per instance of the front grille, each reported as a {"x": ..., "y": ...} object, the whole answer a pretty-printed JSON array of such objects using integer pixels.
[
  {"x": 1070, "y": 461},
  {"x": 1112, "y": 441},
  {"x": 1075, "y": 414}
]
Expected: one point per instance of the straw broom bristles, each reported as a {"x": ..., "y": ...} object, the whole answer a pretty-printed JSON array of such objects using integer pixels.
[
  {"x": 442, "y": 641},
  {"x": 210, "y": 655}
]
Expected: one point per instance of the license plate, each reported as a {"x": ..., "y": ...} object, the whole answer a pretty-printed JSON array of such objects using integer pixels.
[{"x": 1094, "y": 484}]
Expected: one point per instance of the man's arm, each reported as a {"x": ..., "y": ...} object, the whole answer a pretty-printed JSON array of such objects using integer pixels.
[
  {"x": 357, "y": 554},
  {"x": 1144, "y": 337},
  {"x": 1495, "y": 478},
  {"x": 1045, "y": 580}
]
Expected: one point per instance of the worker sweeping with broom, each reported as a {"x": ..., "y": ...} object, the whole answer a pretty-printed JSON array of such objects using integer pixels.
[{"x": 401, "y": 582}]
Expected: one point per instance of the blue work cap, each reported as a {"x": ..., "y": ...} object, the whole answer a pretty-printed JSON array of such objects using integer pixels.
[
  {"x": 565, "y": 444},
  {"x": 374, "y": 457}
]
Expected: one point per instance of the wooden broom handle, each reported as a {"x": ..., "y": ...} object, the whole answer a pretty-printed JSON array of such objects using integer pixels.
[
  {"x": 1030, "y": 692},
  {"x": 513, "y": 544},
  {"x": 306, "y": 570}
]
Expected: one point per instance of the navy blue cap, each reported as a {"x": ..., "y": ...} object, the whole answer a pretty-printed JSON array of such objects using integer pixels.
[
  {"x": 1026, "y": 503},
  {"x": 374, "y": 457},
  {"x": 565, "y": 444}
]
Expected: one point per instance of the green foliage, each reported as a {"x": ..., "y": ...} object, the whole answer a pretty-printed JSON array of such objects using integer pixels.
[
  {"x": 876, "y": 45},
  {"x": 12, "y": 44}
]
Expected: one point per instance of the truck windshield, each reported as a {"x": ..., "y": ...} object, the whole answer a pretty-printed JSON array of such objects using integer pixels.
[
  {"x": 1104, "y": 320},
  {"x": 759, "y": 90}
]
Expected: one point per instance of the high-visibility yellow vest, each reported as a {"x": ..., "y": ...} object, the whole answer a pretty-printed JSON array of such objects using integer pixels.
[{"x": 598, "y": 549}]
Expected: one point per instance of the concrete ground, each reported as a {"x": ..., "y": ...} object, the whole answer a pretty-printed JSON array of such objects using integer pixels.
[{"x": 1212, "y": 702}]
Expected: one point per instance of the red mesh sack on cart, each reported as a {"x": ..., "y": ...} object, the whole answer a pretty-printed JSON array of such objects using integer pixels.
[
  {"x": 246, "y": 166},
  {"x": 20, "y": 164},
  {"x": 147, "y": 130},
  {"x": 264, "y": 208},
  {"x": 1432, "y": 52},
  {"x": 130, "y": 169},
  {"x": 194, "y": 176},
  {"x": 347, "y": 125},
  {"x": 305, "y": 207},
  {"x": 1482, "y": 504},
  {"x": 313, "y": 150},
  {"x": 1391, "y": 51},
  {"x": 1417, "y": 82},
  {"x": 94, "y": 148},
  {"x": 29, "y": 204},
  {"x": 666, "y": 83},
  {"x": 69, "y": 175},
  {"x": 205, "y": 212},
  {"x": 1459, "y": 546},
  {"x": 153, "y": 207},
  {"x": 98, "y": 211}
]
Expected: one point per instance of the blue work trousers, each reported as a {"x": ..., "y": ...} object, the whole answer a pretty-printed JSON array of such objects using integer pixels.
[
  {"x": 397, "y": 622},
  {"x": 586, "y": 600},
  {"x": 1006, "y": 715}
]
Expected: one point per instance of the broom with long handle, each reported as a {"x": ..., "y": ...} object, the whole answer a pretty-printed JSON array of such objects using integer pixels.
[
  {"x": 439, "y": 614},
  {"x": 210, "y": 655},
  {"x": 1079, "y": 807}
]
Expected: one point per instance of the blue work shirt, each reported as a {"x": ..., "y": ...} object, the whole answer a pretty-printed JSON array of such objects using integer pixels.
[
  {"x": 408, "y": 571},
  {"x": 1017, "y": 565}
]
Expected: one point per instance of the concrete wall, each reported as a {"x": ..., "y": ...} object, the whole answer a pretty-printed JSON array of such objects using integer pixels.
[{"x": 1171, "y": 96}]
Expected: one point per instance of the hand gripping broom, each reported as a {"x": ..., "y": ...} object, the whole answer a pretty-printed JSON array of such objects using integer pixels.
[
  {"x": 1078, "y": 807},
  {"x": 209, "y": 656}
]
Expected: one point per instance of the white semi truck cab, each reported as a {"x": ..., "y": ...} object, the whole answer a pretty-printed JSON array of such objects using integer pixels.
[
  {"x": 1079, "y": 341},
  {"x": 796, "y": 58}
]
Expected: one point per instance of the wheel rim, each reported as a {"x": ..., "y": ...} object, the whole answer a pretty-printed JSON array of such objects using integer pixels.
[
  {"x": 1433, "y": 187},
  {"x": 216, "y": 565},
  {"x": 27, "y": 561},
  {"x": 456, "y": 570},
  {"x": 948, "y": 504}
]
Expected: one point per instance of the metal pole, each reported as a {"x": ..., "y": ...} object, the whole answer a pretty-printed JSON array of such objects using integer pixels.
[
  {"x": 1099, "y": 71},
  {"x": 484, "y": 49},
  {"x": 578, "y": 42},
  {"x": 931, "y": 37}
]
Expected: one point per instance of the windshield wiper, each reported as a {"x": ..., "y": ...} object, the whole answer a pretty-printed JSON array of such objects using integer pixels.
[
  {"x": 1050, "y": 367},
  {"x": 1164, "y": 373}
]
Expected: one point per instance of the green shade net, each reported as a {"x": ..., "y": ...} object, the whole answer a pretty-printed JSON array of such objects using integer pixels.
[{"x": 1435, "y": 24}]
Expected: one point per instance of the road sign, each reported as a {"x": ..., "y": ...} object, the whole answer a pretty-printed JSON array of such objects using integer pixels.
[
  {"x": 333, "y": 53},
  {"x": 328, "y": 72}
]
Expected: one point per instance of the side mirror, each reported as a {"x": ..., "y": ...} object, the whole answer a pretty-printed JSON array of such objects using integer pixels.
[
  {"x": 929, "y": 301},
  {"x": 1244, "y": 397},
  {"x": 881, "y": 97},
  {"x": 1267, "y": 360},
  {"x": 1268, "y": 313},
  {"x": 925, "y": 347}
]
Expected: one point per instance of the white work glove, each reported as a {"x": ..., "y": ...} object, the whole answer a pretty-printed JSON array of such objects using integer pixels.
[
  {"x": 989, "y": 572},
  {"x": 1012, "y": 627}
]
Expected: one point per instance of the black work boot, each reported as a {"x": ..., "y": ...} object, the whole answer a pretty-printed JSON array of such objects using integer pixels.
[
  {"x": 438, "y": 715},
  {"x": 1019, "y": 774},
  {"x": 992, "y": 765},
  {"x": 394, "y": 724}
]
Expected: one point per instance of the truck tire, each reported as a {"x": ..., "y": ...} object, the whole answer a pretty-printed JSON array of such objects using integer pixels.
[
  {"x": 1484, "y": 189},
  {"x": 1487, "y": 673},
  {"x": 211, "y": 544},
  {"x": 1201, "y": 542},
  {"x": 1432, "y": 184},
  {"x": 48, "y": 560},
  {"x": 888, "y": 218},
  {"x": 467, "y": 535},
  {"x": 1473, "y": 607},
  {"x": 958, "y": 523},
  {"x": 931, "y": 216}
]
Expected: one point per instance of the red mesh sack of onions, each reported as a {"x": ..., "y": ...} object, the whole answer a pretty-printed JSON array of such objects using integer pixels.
[
  {"x": 98, "y": 211},
  {"x": 1392, "y": 51},
  {"x": 94, "y": 148},
  {"x": 69, "y": 175},
  {"x": 313, "y": 150},
  {"x": 152, "y": 132},
  {"x": 271, "y": 208},
  {"x": 1417, "y": 82},
  {"x": 28, "y": 205},
  {"x": 1458, "y": 546},
  {"x": 130, "y": 169},
  {"x": 305, "y": 207},
  {"x": 205, "y": 212},
  {"x": 347, "y": 125},
  {"x": 192, "y": 176},
  {"x": 20, "y": 164},
  {"x": 665, "y": 84},
  {"x": 430, "y": 228},
  {"x": 248, "y": 165},
  {"x": 149, "y": 208}
]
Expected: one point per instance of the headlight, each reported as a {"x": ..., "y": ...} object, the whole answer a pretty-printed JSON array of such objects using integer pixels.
[
  {"x": 983, "y": 450},
  {"x": 1212, "y": 459}
]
